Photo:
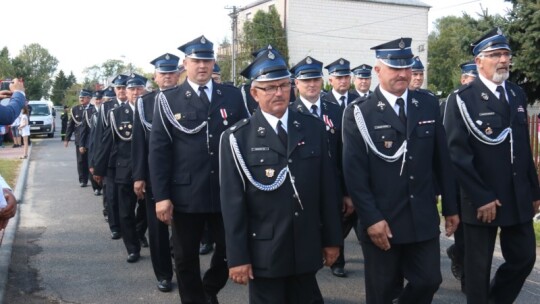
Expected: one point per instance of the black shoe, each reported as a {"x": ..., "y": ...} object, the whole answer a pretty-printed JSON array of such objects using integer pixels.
[
  {"x": 205, "y": 249},
  {"x": 339, "y": 271},
  {"x": 144, "y": 242},
  {"x": 97, "y": 192},
  {"x": 133, "y": 257},
  {"x": 83, "y": 185},
  {"x": 164, "y": 285},
  {"x": 463, "y": 286},
  {"x": 456, "y": 266},
  {"x": 115, "y": 235}
]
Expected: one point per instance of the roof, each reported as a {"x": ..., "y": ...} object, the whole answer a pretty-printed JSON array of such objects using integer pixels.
[{"x": 397, "y": 2}]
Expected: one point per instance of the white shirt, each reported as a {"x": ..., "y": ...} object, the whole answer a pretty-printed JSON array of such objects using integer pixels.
[
  {"x": 338, "y": 96},
  {"x": 209, "y": 86},
  {"x": 273, "y": 121},
  {"x": 391, "y": 98},
  {"x": 493, "y": 86},
  {"x": 308, "y": 104}
]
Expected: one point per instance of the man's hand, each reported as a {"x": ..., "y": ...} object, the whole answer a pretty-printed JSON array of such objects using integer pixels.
[
  {"x": 16, "y": 85},
  {"x": 98, "y": 179},
  {"x": 379, "y": 234},
  {"x": 139, "y": 187},
  {"x": 66, "y": 143},
  {"x": 488, "y": 212},
  {"x": 5, "y": 94},
  {"x": 91, "y": 169},
  {"x": 164, "y": 211},
  {"x": 451, "y": 224},
  {"x": 330, "y": 255},
  {"x": 348, "y": 207},
  {"x": 536, "y": 206},
  {"x": 10, "y": 210},
  {"x": 82, "y": 150},
  {"x": 241, "y": 274}
]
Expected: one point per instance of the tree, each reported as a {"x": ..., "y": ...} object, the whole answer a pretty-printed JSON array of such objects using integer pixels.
[
  {"x": 523, "y": 32},
  {"x": 60, "y": 86},
  {"x": 224, "y": 60},
  {"x": 37, "y": 67},
  {"x": 6, "y": 68},
  {"x": 449, "y": 46},
  {"x": 265, "y": 29}
]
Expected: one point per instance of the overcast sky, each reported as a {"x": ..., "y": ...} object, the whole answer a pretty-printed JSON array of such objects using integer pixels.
[{"x": 84, "y": 33}]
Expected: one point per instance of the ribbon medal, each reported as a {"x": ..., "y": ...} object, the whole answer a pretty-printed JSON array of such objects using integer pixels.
[
  {"x": 329, "y": 124},
  {"x": 224, "y": 115}
]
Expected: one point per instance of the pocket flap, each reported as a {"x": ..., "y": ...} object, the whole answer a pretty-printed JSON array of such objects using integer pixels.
[
  {"x": 384, "y": 135},
  {"x": 262, "y": 158},
  {"x": 263, "y": 232},
  {"x": 181, "y": 179}
]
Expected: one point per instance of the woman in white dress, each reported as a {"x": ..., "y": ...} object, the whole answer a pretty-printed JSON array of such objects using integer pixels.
[{"x": 24, "y": 128}]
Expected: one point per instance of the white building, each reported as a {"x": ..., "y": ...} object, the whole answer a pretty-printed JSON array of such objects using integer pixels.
[{"x": 330, "y": 29}]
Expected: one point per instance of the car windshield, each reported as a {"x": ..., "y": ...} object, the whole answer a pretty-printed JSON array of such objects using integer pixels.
[{"x": 40, "y": 109}]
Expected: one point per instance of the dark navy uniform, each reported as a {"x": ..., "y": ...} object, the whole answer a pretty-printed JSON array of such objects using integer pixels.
[
  {"x": 64, "y": 117},
  {"x": 76, "y": 125},
  {"x": 395, "y": 183},
  {"x": 349, "y": 98},
  {"x": 185, "y": 169},
  {"x": 158, "y": 232}
]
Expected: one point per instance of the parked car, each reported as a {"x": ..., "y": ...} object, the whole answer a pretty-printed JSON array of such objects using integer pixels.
[{"x": 42, "y": 118}]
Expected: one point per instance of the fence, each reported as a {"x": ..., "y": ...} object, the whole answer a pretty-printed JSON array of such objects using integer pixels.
[{"x": 533, "y": 131}]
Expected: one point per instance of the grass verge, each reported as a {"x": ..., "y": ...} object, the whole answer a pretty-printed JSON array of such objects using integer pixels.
[{"x": 9, "y": 169}]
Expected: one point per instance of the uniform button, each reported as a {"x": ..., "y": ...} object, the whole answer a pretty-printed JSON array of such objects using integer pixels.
[
  {"x": 208, "y": 117},
  {"x": 296, "y": 214},
  {"x": 412, "y": 196},
  {"x": 382, "y": 137},
  {"x": 290, "y": 161},
  {"x": 515, "y": 174},
  {"x": 411, "y": 177},
  {"x": 410, "y": 157},
  {"x": 210, "y": 135},
  {"x": 427, "y": 132},
  {"x": 212, "y": 171},
  {"x": 294, "y": 195},
  {"x": 211, "y": 153},
  {"x": 254, "y": 234}
]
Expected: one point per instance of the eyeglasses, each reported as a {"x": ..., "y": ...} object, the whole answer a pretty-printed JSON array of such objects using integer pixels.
[
  {"x": 498, "y": 55},
  {"x": 271, "y": 90}
]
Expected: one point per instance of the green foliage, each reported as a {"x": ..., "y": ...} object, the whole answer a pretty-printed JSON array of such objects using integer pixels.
[
  {"x": 524, "y": 33},
  {"x": 449, "y": 46},
  {"x": 37, "y": 67},
  {"x": 264, "y": 29},
  {"x": 225, "y": 61},
  {"x": 60, "y": 86},
  {"x": 6, "y": 68}
]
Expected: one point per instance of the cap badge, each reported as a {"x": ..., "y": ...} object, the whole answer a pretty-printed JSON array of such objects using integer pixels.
[
  {"x": 401, "y": 44},
  {"x": 269, "y": 172},
  {"x": 484, "y": 96},
  {"x": 309, "y": 61},
  {"x": 341, "y": 61},
  {"x": 167, "y": 57},
  {"x": 271, "y": 55},
  {"x": 499, "y": 32},
  {"x": 269, "y": 47},
  {"x": 203, "y": 41},
  {"x": 363, "y": 66},
  {"x": 489, "y": 131}
]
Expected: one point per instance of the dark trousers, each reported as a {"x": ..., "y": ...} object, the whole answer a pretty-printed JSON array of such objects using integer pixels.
[
  {"x": 158, "y": 238},
  {"x": 347, "y": 224},
  {"x": 127, "y": 202},
  {"x": 519, "y": 251},
  {"x": 104, "y": 199},
  {"x": 297, "y": 289},
  {"x": 207, "y": 236},
  {"x": 186, "y": 235},
  {"x": 419, "y": 263},
  {"x": 112, "y": 202},
  {"x": 95, "y": 185},
  {"x": 82, "y": 165},
  {"x": 141, "y": 222}
]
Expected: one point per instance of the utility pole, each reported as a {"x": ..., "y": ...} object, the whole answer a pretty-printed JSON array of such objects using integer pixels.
[{"x": 234, "y": 28}]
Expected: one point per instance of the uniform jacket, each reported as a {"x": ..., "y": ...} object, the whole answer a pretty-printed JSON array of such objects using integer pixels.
[
  {"x": 141, "y": 137},
  {"x": 333, "y": 118},
  {"x": 269, "y": 229},
  {"x": 406, "y": 202},
  {"x": 329, "y": 96},
  {"x": 485, "y": 172},
  {"x": 115, "y": 148},
  {"x": 184, "y": 167},
  {"x": 76, "y": 124},
  {"x": 102, "y": 122}
]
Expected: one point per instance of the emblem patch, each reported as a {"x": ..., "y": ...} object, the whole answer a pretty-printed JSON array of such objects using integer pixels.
[{"x": 269, "y": 172}]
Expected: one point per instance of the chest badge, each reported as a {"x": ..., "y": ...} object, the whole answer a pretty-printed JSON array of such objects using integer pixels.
[
  {"x": 381, "y": 105},
  {"x": 488, "y": 131},
  {"x": 388, "y": 144},
  {"x": 269, "y": 172},
  {"x": 484, "y": 96},
  {"x": 178, "y": 116}
]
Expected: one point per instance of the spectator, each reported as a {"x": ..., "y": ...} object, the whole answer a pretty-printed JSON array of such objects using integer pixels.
[
  {"x": 24, "y": 128},
  {"x": 8, "y": 204},
  {"x": 2, "y": 133},
  {"x": 15, "y": 132},
  {"x": 17, "y": 99}
]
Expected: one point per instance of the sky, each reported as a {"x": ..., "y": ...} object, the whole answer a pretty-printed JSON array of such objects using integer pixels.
[{"x": 84, "y": 33}]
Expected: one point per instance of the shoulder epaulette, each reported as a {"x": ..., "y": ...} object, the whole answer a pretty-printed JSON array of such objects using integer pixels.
[
  {"x": 427, "y": 92},
  {"x": 148, "y": 94},
  {"x": 238, "y": 125}
]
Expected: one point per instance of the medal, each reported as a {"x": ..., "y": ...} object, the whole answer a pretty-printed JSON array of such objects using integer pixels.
[
  {"x": 269, "y": 172},
  {"x": 128, "y": 133},
  {"x": 329, "y": 124},
  {"x": 130, "y": 126},
  {"x": 332, "y": 131},
  {"x": 224, "y": 116},
  {"x": 488, "y": 131}
]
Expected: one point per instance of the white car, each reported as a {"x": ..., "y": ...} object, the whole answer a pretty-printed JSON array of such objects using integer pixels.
[{"x": 42, "y": 118}]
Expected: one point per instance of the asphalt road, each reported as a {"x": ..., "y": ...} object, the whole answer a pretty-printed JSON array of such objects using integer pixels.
[{"x": 63, "y": 252}]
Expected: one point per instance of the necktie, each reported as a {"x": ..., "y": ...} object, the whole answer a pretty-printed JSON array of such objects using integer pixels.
[
  {"x": 203, "y": 95},
  {"x": 401, "y": 103},
  {"x": 314, "y": 110},
  {"x": 502, "y": 95},
  {"x": 282, "y": 134},
  {"x": 342, "y": 98}
]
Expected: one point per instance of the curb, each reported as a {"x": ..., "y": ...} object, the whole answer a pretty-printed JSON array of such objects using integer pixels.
[{"x": 11, "y": 229}]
